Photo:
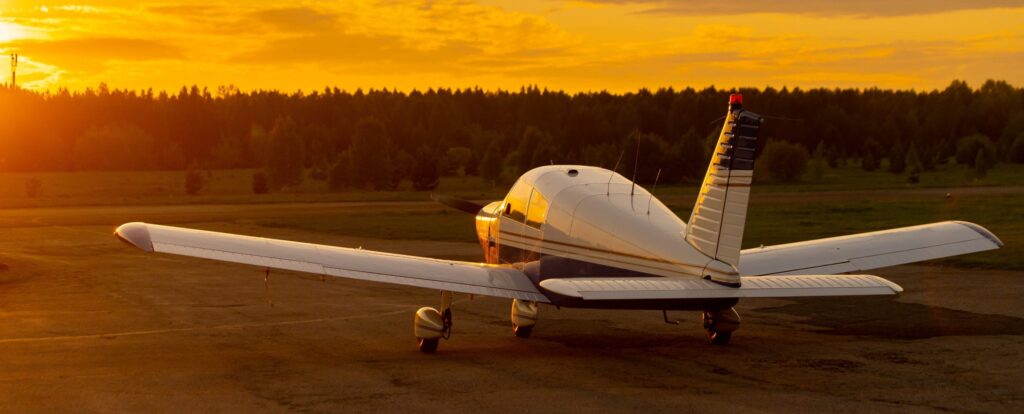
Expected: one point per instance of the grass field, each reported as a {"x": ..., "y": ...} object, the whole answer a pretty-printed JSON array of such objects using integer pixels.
[
  {"x": 235, "y": 186},
  {"x": 849, "y": 200}
]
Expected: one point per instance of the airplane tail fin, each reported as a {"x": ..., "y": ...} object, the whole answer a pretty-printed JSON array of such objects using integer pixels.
[{"x": 716, "y": 224}]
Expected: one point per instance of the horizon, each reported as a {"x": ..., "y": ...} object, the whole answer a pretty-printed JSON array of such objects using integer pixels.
[
  {"x": 616, "y": 46},
  {"x": 217, "y": 91}
]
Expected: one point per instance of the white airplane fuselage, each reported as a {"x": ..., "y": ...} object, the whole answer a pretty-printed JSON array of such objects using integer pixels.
[{"x": 564, "y": 221}]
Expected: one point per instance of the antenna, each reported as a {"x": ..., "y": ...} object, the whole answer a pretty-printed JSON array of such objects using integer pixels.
[
  {"x": 612, "y": 175},
  {"x": 651, "y": 198},
  {"x": 14, "y": 69}
]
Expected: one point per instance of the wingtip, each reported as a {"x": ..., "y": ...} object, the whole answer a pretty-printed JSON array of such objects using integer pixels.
[
  {"x": 983, "y": 232},
  {"x": 135, "y": 234},
  {"x": 896, "y": 289}
]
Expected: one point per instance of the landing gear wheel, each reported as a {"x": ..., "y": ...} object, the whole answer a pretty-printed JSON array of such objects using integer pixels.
[
  {"x": 522, "y": 331},
  {"x": 718, "y": 338},
  {"x": 720, "y": 324},
  {"x": 428, "y": 346}
]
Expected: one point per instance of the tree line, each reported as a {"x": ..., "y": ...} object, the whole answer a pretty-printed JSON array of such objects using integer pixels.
[{"x": 375, "y": 139}]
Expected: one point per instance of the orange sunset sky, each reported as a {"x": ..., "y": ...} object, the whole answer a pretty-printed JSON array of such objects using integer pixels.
[{"x": 617, "y": 45}]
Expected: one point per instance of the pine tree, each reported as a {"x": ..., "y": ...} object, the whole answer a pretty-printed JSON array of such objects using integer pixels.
[
  {"x": 897, "y": 159},
  {"x": 426, "y": 174},
  {"x": 194, "y": 180},
  {"x": 285, "y": 159},
  {"x": 816, "y": 167},
  {"x": 491, "y": 164},
  {"x": 914, "y": 166},
  {"x": 982, "y": 163}
]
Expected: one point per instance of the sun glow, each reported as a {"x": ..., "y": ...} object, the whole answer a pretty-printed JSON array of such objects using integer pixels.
[{"x": 11, "y": 31}]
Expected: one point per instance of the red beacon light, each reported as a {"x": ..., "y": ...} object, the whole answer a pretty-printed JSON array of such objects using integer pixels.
[{"x": 736, "y": 99}]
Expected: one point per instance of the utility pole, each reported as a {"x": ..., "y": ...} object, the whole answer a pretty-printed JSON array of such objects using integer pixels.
[{"x": 14, "y": 70}]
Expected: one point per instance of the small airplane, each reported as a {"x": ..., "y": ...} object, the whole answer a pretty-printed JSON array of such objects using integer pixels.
[{"x": 587, "y": 237}]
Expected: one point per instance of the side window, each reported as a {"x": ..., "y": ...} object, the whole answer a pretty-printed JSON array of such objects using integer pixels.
[
  {"x": 515, "y": 204},
  {"x": 538, "y": 210}
]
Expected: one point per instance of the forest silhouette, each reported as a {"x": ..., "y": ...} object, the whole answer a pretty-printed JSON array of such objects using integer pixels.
[{"x": 374, "y": 139}]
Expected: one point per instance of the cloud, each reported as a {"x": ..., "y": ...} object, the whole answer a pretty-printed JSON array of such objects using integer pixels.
[
  {"x": 858, "y": 8},
  {"x": 296, "y": 19},
  {"x": 366, "y": 53},
  {"x": 389, "y": 37},
  {"x": 93, "y": 52}
]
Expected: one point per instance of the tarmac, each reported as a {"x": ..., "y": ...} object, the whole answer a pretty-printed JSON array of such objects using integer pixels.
[{"x": 90, "y": 325}]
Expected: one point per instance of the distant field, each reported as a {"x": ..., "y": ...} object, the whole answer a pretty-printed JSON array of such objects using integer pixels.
[
  {"x": 235, "y": 186},
  {"x": 222, "y": 186}
]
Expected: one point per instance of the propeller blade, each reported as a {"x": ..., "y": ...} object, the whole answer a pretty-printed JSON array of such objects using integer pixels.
[{"x": 456, "y": 203}]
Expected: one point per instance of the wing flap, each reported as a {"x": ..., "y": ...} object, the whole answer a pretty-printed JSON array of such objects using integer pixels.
[
  {"x": 692, "y": 288},
  {"x": 867, "y": 251},
  {"x": 465, "y": 277}
]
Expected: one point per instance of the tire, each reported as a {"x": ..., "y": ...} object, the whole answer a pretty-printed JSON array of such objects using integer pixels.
[
  {"x": 719, "y": 338},
  {"x": 522, "y": 331},
  {"x": 428, "y": 346}
]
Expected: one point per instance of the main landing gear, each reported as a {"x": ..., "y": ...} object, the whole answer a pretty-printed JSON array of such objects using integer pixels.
[
  {"x": 720, "y": 324},
  {"x": 524, "y": 317},
  {"x": 431, "y": 325}
]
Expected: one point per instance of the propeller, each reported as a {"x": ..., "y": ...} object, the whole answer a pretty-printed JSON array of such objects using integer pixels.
[{"x": 457, "y": 203}]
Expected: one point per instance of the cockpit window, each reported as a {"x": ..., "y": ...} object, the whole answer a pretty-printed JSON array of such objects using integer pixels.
[
  {"x": 538, "y": 210},
  {"x": 515, "y": 204}
]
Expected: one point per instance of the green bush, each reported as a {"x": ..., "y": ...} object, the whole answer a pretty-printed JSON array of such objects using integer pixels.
[
  {"x": 260, "y": 184},
  {"x": 426, "y": 174},
  {"x": 783, "y": 161},
  {"x": 1017, "y": 149},
  {"x": 32, "y": 187},
  {"x": 194, "y": 181},
  {"x": 871, "y": 157},
  {"x": 967, "y": 149},
  {"x": 340, "y": 175},
  {"x": 982, "y": 163}
]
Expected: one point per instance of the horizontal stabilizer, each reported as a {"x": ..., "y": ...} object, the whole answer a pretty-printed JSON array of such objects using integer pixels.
[
  {"x": 465, "y": 277},
  {"x": 865, "y": 251},
  {"x": 649, "y": 288}
]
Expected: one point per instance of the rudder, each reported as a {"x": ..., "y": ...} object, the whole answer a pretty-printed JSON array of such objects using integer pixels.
[{"x": 716, "y": 224}]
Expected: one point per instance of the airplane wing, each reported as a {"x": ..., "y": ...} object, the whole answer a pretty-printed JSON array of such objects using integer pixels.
[
  {"x": 859, "y": 252},
  {"x": 465, "y": 277},
  {"x": 649, "y": 288}
]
